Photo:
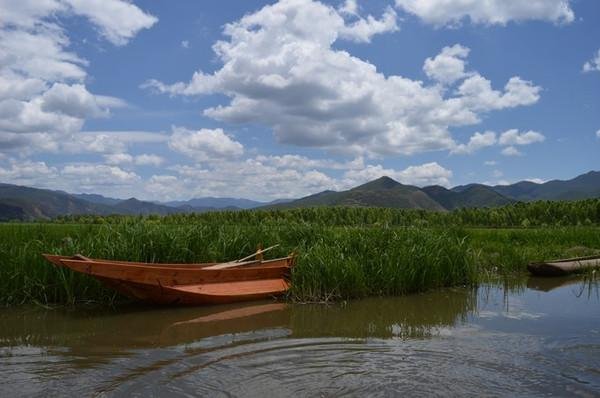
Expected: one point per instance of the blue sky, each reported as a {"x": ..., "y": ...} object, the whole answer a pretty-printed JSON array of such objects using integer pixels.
[{"x": 283, "y": 99}]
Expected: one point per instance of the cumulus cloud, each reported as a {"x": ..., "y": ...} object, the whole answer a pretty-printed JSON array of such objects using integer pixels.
[
  {"x": 138, "y": 160},
  {"x": 280, "y": 69},
  {"x": 265, "y": 178},
  {"x": 205, "y": 144},
  {"x": 598, "y": 133},
  {"x": 42, "y": 96},
  {"x": 425, "y": 174},
  {"x": 476, "y": 142},
  {"x": 79, "y": 177},
  {"x": 508, "y": 139},
  {"x": 109, "y": 142},
  {"x": 489, "y": 12},
  {"x": 448, "y": 66},
  {"x": 90, "y": 175},
  {"x": 28, "y": 173},
  {"x": 118, "y": 158},
  {"x": 118, "y": 21},
  {"x": 513, "y": 137},
  {"x": 593, "y": 65},
  {"x": 362, "y": 29},
  {"x": 511, "y": 151}
]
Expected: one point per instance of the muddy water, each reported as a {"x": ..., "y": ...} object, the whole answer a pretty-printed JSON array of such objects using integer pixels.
[{"x": 533, "y": 337}]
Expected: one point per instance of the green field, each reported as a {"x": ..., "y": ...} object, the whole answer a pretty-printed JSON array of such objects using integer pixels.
[{"x": 344, "y": 252}]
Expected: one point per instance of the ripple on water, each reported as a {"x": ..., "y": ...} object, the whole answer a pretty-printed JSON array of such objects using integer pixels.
[{"x": 464, "y": 364}]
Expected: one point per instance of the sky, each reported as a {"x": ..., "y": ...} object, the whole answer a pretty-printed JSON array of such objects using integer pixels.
[{"x": 168, "y": 100}]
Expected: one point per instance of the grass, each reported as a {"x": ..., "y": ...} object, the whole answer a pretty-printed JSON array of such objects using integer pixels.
[{"x": 336, "y": 262}]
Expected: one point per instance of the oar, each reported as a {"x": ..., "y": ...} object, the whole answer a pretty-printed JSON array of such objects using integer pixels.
[
  {"x": 241, "y": 260},
  {"x": 261, "y": 251}
]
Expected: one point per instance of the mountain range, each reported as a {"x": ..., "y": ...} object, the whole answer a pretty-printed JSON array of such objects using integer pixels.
[{"x": 27, "y": 203}]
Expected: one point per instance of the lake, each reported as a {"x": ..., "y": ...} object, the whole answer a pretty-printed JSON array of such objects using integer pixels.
[{"x": 527, "y": 337}]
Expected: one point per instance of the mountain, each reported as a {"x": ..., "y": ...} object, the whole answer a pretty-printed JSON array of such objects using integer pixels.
[
  {"x": 217, "y": 203},
  {"x": 25, "y": 203},
  {"x": 581, "y": 187},
  {"x": 212, "y": 203},
  {"x": 382, "y": 192},
  {"x": 472, "y": 195},
  {"x": 133, "y": 206},
  {"x": 33, "y": 203},
  {"x": 98, "y": 199}
]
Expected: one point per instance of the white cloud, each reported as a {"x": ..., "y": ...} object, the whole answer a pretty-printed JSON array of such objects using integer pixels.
[
  {"x": 117, "y": 20},
  {"x": 476, "y": 142},
  {"x": 74, "y": 100},
  {"x": 448, "y": 66},
  {"x": 513, "y": 137},
  {"x": 89, "y": 175},
  {"x": 185, "y": 44},
  {"x": 118, "y": 158},
  {"x": 280, "y": 70},
  {"x": 148, "y": 160},
  {"x": 270, "y": 177},
  {"x": 27, "y": 173},
  {"x": 109, "y": 142},
  {"x": 489, "y": 12},
  {"x": 303, "y": 162},
  {"x": 43, "y": 100},
  {"x": 138, "y": 160},
  {"x": 490, "y": 163},
  {"x": 598, "y": 133},
  {"x": 593, "y": 65},
  {"x": 363, "y": 29},
  {"x": 535, "y": 180},
  {"x": 511, "y": 151},
  {"x": 350, "y": 7},
  {"x": 509, "y": 139},
  {"x": 82, "y": 177},
  {"x": 425, "y": 174},
  {"x": 205, "y": 144},
  {"x": 497, "y": 173}
]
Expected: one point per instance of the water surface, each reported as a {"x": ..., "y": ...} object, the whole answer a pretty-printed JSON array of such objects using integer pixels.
[{"x": 531, "y": 337}]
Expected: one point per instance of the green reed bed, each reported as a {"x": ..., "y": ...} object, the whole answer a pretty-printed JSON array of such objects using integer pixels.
[{"x": 335, "y": 262}]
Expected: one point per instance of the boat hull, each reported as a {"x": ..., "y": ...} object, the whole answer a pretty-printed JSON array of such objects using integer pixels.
[
  {"x": 186, "y": 284},
  {"x": 564, "y": 267}
]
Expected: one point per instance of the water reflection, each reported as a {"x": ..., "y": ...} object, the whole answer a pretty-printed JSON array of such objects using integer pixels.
[
  {"x": 528, "y": 335},
  {"x": 85, "y": 331}
]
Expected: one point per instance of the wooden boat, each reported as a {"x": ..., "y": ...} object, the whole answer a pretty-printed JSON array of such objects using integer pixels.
[
  {"x": 564, "y": 267},
  {"x": 187, "y": 284}
]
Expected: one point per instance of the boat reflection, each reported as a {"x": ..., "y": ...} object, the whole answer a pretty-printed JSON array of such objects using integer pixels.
[{"x": 90, "y": 333}]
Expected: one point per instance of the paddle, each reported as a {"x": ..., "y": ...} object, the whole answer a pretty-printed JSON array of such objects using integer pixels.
[
  {"x": 259, "y": 251},
  {"x": 237, "y": 263}
]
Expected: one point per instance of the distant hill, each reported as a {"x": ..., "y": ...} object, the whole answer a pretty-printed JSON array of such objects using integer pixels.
[
  {"x": 136, "y": 207},
  {"x": 382, "y": 192},
  {"x": 217, "y": 203},
  {"x": 33, "y": 203},
  {"x": 25, "y": 203},
  {"x": 212, "y": 203},
  {"x": 581, "y": 187},
  {"x": 473, "y": 195},
  {"x": 98, "y": 199}
]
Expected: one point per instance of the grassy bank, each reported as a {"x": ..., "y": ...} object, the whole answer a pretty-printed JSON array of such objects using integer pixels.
[{"x": 335, "y": 262}]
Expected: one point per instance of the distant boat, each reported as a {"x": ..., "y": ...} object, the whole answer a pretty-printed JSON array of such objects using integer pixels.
[
  {"x": 564, "y": 267},
  {"x": 188, "y": 284}
]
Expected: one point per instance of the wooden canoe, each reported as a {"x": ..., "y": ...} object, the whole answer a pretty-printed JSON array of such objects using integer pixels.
[
  {"x": 564, "y": 267},
  {"x": 187, "y": 284}
]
